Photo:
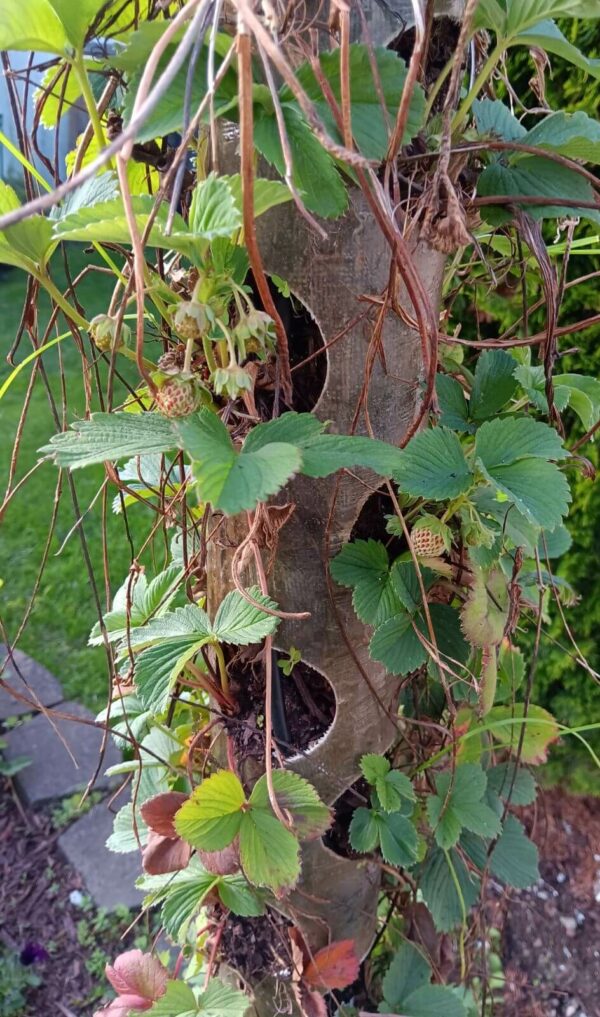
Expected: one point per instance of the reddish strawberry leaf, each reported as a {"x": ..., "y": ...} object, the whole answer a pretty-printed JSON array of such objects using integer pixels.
[
  {"x": 165, "y": 854},
  {"x": 333, "y": 967},
  {"x": 138, "y": 975},
  {"x": 158, "y": 812},
  {"x": 311, "y": 1003},
  {"x": 222, "y": 863}
]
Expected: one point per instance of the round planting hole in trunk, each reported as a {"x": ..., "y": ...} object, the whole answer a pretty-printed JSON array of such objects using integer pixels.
[
  {"x": 303, "y": 705},
  {"x": 308, "y": 357}
]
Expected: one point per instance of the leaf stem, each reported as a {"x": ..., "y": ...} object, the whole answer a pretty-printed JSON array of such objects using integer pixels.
[
  {"x": 222, "y": 668},
  {"x": 88, "y": 98},
  {"x": 480, "y": 80},
  {"x": 208, "y": 353},
  {"x": 53, "y": 291}
]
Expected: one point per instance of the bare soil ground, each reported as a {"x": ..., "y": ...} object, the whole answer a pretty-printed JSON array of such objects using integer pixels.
[{"x": 551, "y": 933}]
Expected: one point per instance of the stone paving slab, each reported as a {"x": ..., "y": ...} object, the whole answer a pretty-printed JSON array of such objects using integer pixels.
[
  {"x": 108, "y": 878},
  {"x": 41, "y": 683},
  {"x": 51, "y": 774}
]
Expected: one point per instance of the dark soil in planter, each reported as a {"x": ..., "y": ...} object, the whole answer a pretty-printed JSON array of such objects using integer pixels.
[
  {"x": 258, "y": 947},
  {"x": 303, "y": 707},
  {"x": 337, "y": 838}
]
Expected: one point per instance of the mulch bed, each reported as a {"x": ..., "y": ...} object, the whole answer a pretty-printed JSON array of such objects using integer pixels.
[
  {"x": 39, "y": 922},
  {"x": 551, "y": 933}
]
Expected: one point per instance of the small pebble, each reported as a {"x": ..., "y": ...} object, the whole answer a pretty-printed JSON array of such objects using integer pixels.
[
  {"x": 561, "y": 877},
  {"x": 76, "y": 897},
  {"x": 569, "y": 924}
]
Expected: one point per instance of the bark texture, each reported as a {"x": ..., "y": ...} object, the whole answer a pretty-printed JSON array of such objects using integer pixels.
[{"x": 337, "y": 897}]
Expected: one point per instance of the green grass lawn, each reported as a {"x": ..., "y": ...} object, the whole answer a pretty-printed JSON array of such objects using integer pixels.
[{"x": 64, "y": 610}]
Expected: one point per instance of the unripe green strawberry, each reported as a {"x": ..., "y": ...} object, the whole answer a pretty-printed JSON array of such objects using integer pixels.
[
  {"x": 177, "y": 397},
  {"x": 103, "y": 330},
  {"x": 426, "y": 543},
  {"x": 189, "y": 319}
]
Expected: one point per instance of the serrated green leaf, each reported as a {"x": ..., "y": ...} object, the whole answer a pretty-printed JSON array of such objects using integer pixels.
[
  {"x": 533, "y": 381},
  {"x": 181, "y": 895},
  {"x": 554, "y": 543},
  {"x": 536, "y": 176},
  {"x": 459, "y": 804},
  {"x": 127, "y": 835},
  {"x": 494, "y": 118},
  {"x": 178, "y": 1000},
  {"x": 220, "y": 1000},
  {"x": 239, "y": 622},
  {"x": 514, "y": 859},
  {"x": 167, "y": 116},
  {"x": 433, "y": 465},
  {"x": 584, "y": 396},
  {"x": 217, "y": 1000},
  {"x": 439, "y": 889},
  {"x": 374, "y": 767},
  {"x": 364, "y": 565},
  {"x": 396, "y": 644},
  {"x": 454, "y": 409},
  {"x": 485, "y": 612},
  {"x": 433, "y": 1001},
  {"x": 106, "y": 222},
  {"x": 326, "y": 453},
  {"x": 575, "y": 135},
  {"x": 398, "y": 839},
  {"x": 547, "y": 35},
  {"x": 233, "y": 481},
  {"x": 406, "y": 584},
  {"x": 538, "y": 489},
  {"x": 323, "y": 454},
  {"x": 408, "y": 972},
  {"x": 239, "y": 897},
  {"x": 159, "y": 592},
  {"x": 186, "y": 621},
  {"x": 212, "y": 816},
  {"x": 540, "y": 730},
  {"x": 310, "y": 816},
  {"x": 32, "y": 25},
  {"x": 393, "y": 789},
  {"x": 370, "y": 125},
  {"x": 502, "y": 442},
  {"x": 512, "y": 783},
  {"x": 494, "y": 384},
  {"x": 361, "y": 561},
  {"x": 267, "y": 194},
  {"x": 364, "y": 830},
  {"x": 213, "y": 209},
  {"x": 269, "y": 853},
  {"x": 511, "y": 671},
  {"x": 512, "y": 524},
  {"x": 158, "y": 667},
  {"x": 290, "y": 428},
  {"x": 108, "y": 436},
  {"x": 315, "y": 174},
  {"x": 183, "y": 902}
]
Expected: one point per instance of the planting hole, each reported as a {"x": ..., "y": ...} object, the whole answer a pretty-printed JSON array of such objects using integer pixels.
[
  {"x": 303, "y": 706},
  {"x": 307, "y": 356}
]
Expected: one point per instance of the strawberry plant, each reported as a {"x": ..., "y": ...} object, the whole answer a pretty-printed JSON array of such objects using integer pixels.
[{"x": 350, "y": 511}]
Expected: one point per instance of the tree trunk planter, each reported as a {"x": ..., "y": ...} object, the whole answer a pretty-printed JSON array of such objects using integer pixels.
[{"x": 337, "y": 897}]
